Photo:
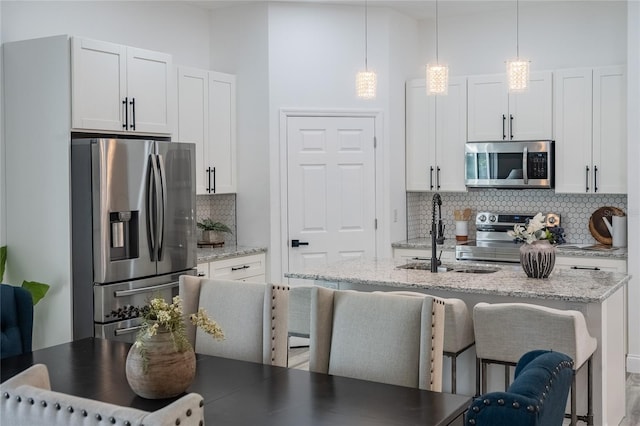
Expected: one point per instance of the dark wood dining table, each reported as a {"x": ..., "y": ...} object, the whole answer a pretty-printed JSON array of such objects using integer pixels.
[{"x": 245, "y": 393}]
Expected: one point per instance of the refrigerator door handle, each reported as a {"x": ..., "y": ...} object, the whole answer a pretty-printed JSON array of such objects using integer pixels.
[
  {"x": 152, "y": 207},
  {"x": 162, "y": 204}
]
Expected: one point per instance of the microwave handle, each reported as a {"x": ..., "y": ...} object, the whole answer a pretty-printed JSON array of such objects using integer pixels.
[{"x": 525, "y": 172}]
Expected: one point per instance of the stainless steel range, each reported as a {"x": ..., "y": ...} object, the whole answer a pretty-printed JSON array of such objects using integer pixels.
[{"x": 492, "y": 241}]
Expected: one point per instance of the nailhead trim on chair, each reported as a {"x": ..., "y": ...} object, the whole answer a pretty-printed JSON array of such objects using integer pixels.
[{"x": 98, "y": 417}]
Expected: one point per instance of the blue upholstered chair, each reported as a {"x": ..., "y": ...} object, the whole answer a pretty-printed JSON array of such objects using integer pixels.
[
  {"x": 16, "y": 320},
  {"x": 537, "y": 396}
]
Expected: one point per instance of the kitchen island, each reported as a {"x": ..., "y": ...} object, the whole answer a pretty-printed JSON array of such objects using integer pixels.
[{"x": 599, "y": 295}]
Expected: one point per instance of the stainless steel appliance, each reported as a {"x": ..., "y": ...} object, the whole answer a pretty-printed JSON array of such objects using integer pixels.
[
  {"x": 133, "y": 229},
  {"x": 492, "y": 242},
  {"x": 509, "y": 164}
]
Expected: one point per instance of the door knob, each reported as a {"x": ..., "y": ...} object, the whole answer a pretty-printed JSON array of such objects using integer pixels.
[{"x": 298, "y": 243}]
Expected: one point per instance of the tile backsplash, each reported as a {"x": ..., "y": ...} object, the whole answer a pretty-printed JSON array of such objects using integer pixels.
[
  {"x": 219, "y": 208},
  {"x": 574, "y": 209}
]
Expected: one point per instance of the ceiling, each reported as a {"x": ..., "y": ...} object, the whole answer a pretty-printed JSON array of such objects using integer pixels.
[{"x": 420, "y": 9}]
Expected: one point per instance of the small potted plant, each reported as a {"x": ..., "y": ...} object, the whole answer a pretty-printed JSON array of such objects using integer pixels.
[{"x": 212, "y": 231}]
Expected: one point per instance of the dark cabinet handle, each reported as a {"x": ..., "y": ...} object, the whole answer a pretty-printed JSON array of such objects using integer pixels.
[
  {"x": 133, "y": 113},
  {"x": 511, "y": 126},
  {"x": 239, "y": 268},
  {"x": 595, "y": 178},
  {"x": 431, "y": 177},
  {"x": 214, "y": 180},
  {"x": 438, "y": 177},
  {"x": 589, "y": 268},
  {"x": 125, "y": 103},
  {"x": 298, "y": 243},
  {"x": 587, "y": 179},
  {"x": 504, "y": 122},
  {"x": 208, "y": 179}
]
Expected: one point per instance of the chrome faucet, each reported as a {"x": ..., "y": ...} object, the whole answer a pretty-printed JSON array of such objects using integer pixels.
[{"x": 437, "y": 231}]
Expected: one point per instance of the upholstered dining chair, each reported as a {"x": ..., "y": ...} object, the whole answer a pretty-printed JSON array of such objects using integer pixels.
[
  {"x": 384, "y": 338},
  {"x": 505, "y": 331},
  {"x": 253, "y": 316},
  {"x": 458, "y": 330},
  {"x": 16, "y": 320},
  {"x": 27, "y": 400},
  {"x": 537, "y": 396}
]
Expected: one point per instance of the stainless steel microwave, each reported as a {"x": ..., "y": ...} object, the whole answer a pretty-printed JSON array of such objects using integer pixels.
[{"x": 509, "y": 164}]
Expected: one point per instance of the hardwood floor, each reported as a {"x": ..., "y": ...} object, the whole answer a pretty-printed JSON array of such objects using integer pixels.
[{"x": 299, "y": 358}]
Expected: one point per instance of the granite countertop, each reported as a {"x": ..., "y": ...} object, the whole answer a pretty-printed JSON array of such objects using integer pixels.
[
  {"x": 571, "y": 250},
  {"x": 207, "y": 254},
  {"x": 510, "y": 280}
]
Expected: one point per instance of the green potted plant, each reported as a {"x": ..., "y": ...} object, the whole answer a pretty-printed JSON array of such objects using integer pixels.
[
  {"x": 37, "y": 290},
  {"x": 212, "y": 232}
]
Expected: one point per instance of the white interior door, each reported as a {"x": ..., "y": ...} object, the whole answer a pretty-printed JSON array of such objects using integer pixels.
[{"x": 331, "y": 189}]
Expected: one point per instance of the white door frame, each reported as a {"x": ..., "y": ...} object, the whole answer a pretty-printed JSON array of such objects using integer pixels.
[{"x": 279, "y": 237}]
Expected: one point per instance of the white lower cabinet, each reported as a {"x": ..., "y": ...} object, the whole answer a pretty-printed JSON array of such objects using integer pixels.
[
  {"x": 591, "y": 263},
  {"x": 242, "y": 268}
]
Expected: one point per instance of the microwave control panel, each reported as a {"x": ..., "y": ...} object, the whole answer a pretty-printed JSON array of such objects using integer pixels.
[{"x": 537, "y": 165}]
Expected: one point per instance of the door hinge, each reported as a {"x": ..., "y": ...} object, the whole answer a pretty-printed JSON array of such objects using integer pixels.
[
  {"x": 375, "y": 224},
  {"x": 375, "y": 142}
]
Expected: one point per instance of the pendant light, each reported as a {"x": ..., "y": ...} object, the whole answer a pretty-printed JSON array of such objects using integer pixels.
[
  {"x": 518, "y": 68},
  {"x": 437, "y": 74},
  {"x": 366, "y": 80}
]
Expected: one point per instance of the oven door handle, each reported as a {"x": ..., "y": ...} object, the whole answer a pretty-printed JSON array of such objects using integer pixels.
[
  {"x": 124, "y": 293},
  {"x": 127, "y": 330},
  {"x": 525, "y": 172}
]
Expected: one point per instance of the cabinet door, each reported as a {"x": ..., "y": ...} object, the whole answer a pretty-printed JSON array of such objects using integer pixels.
[
  {"x": 609, "y": 130},
  {"x": 573, "y": 123},
  {"x": 488, "y": 105},
  {"x": 530, "y": 113},
  {"x": 148, "y": 76},
  {"x": 451, "y": 135},
  {"x": 222, "y": 131},
  {"x": 98, "y": 85},
  {"x": 193, "y": 119},
  {"x": 420, "y": 147}
]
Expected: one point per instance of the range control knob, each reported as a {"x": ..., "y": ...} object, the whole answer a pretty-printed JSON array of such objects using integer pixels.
[
  {"x": 551, "y": 220},
  {"x": 493, "y": 218},
  {"x": 482, "y": 218}
]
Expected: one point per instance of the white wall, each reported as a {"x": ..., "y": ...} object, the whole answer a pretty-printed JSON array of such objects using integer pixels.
[
  {"x": 3, "y": 179},
  {"x": 179, "y": 29},
  {"x": 553, "y": 35},
  {"x": 239, "y": 45},
  {"x": 633, "y": 213}
]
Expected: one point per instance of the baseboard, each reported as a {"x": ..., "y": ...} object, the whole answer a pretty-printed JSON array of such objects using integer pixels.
[{"x": 633, "y": 363}]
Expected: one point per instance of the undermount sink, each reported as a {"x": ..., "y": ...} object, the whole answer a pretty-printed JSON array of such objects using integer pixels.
[{"x": 426, "y": 266}]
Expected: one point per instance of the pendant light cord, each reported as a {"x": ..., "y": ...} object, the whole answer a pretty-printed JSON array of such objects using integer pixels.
[
  {"x": 437, "y": 61},
  {"x": 366, "y": 35},
  {"x": 517, "y": 30}
]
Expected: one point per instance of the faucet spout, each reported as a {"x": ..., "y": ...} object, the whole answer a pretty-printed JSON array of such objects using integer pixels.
[{"x": 437, "y": 231}]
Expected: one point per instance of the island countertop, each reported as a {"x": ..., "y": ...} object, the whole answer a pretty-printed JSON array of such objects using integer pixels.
[{"x": 584, "y": 286}]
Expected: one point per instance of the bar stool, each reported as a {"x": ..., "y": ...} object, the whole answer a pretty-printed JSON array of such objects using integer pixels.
[
  {"x": 458, "y": 330},
  {"x": 506, "y": 331}
]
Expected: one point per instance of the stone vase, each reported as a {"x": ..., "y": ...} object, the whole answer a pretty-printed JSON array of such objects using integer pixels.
[
  {"x": 215, "y": 237},
  {"x": 157, "y": 370},
  {"x": 538, "y": 258}
]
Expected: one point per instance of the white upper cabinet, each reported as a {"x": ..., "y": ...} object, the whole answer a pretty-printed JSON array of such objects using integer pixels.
[
  {"x": 119, "y": 88},
  {"x": 591, "y": 143},
  {"x": 494, "y": 114},
  {"x": 207, "y": 117},
  {"x": 435, "y": 137},
  {"x": 222, "y": 131}
]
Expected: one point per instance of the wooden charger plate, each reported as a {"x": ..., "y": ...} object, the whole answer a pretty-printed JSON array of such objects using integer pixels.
[{"x": 597, "y": 227}]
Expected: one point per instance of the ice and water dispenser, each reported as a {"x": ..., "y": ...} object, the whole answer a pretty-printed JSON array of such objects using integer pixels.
[{"x": 124, "y": 235}]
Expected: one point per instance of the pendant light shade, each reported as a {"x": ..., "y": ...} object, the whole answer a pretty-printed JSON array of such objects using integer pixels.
[
  {"x": 518, "y": 68},
  {"x": 437, "y": 74},
  {"x": 366, "y": 81}
]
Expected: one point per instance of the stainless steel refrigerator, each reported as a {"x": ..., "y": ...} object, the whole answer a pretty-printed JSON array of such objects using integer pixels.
[{"x": 133, "y": 229}]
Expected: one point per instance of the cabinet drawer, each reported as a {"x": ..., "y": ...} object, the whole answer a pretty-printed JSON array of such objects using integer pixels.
[
  {"x": 609, "y": 265},
  {"x": 238, "y": 268}
]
